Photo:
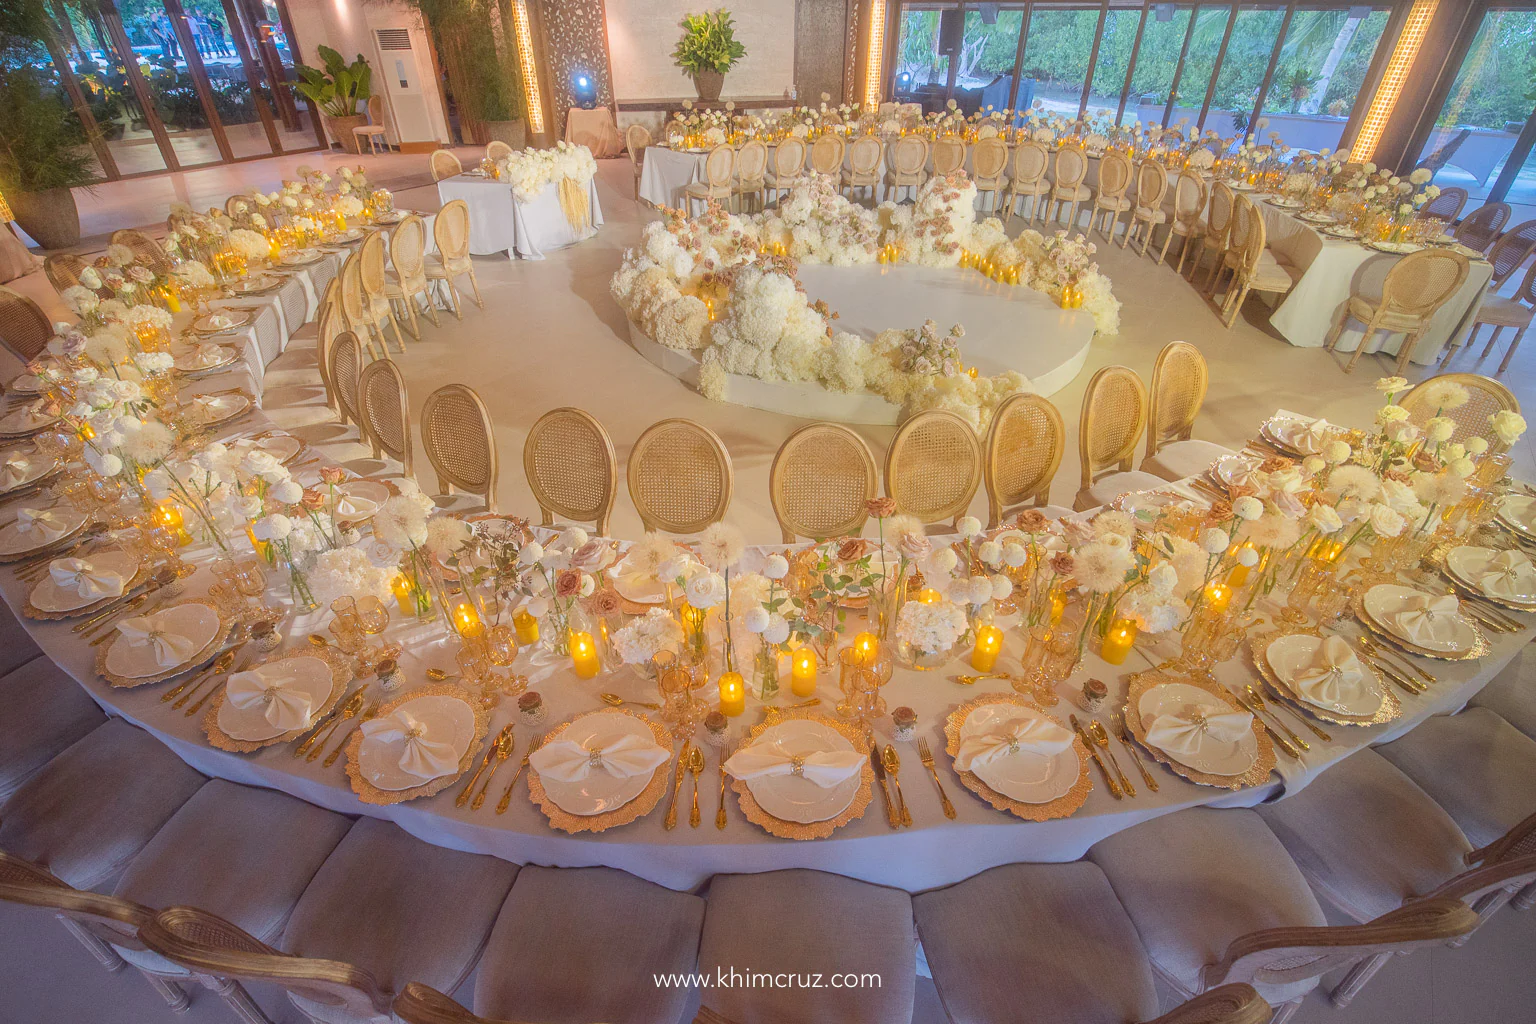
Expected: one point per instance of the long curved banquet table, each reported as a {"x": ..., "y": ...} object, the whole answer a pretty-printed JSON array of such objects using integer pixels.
[
  {"x": 499, "y": 222},
  {"x": 934, "y": 852}
]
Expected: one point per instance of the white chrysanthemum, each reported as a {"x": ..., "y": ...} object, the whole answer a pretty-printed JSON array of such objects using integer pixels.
[
  {"x": 1354, "y": 482},
  {"x": 1272, "y": 530},
  {"x": 400, "y": 524},
  {"x": 1100, "y": 567},
  {"x": 447, "y": 534},
  {"x": 640, "y": 640},
  {"x": 348, "y": 571}
]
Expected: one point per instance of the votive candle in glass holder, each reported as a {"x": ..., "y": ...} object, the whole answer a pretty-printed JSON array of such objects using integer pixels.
[
  {"x": 733, "y": 694},
  {"x": 527, "y": 627},
  {"x": 1118, "y": 641},
  {"x": 401, "y": 588},
  {"x": 989, "y": 644},
  {"x": 584, "y": 654},
  {"x": 802, "y": 672},
  {"x": 1218, "y": 595},
  {"x": 467, "y": 621},
  {"x": 866, "y": 647}
]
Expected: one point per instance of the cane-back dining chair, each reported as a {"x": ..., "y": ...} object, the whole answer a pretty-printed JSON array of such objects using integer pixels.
[
  {"x": 330, "y": 323},
  {"x": 679, "y": 476},
  {"x": 752, "y": 172},
  {"x": 407, "y": 277},
  {"x": 356, "y": 308},
  {"x": 827, "y": 156},
  {"x": 909, "y": 160},
  {"x": 863, "y": 170},
  {"x": 1501, "y": 311},
  {"x": 1030, "y": 161},
  {"x": 1110, "y": 201},
  {"x": 346, "y": 374},
  {"x": 989, "y": 169},
  {"x": 933, "y": 466},
  {"x": 63, "y": 270},
  {"x": 372, "y": 262},
  {"x": 1254, "y": 268},
  {"x": 145, "y": 249},
  {"x": 1479, "y": 228},
  {"x": 1179, "y": 380},
  {"x": 948, "y": 155},
  {"x": 1151, "y": 187},
  {"x": 457, "y": 434},
  {"x": 719, "y": 167},
  {"x": 1189, "y": 196},
  {"x": 1413, "y": 291},
  {"x": 445, "y": 165},
  {"x": 1217, "y": 234},
  {"x": 637, "y": 139},
  {"x": 1023, "y": 451},
  {"x": 788, "y": 166},
  {"x": 1114, "y": 414},
  {"x": 24, "y": 327},
  {"x": 1485, "y": 396},
  {"x": 450, "y": 232},
  {"x": 1446, "y": 206},
  {"x": 571, "y": 468},
  {"x": 386, "y": 410},
  {"x": 497, "y": 150},
  {"x": 1512, "y": 249},
  {"x": 820, "y": 482},
  {"x": 1067, "y": 188}
]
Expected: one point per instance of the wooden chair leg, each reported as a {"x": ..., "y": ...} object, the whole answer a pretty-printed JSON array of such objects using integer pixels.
[
  {"x": 1370, "y": 331},
  {"x": 431, "y": 304},
  {"x": 1146, "y": 235},
  {"x": 1332, "y": 341},
  {"x": 1514, "y": 343},
  {"x": 475, "y": 284},
  {"x": 1162, "y": 256},
  {"x": 1405, "y": 351},
  {"x": 1237, "y": 305},
  {"x": 104, "y": 954},
  {"x": 1493, "y": 340},
  {"x": 1130, "y": 229},
  {"x": 1355, "y": 980},
  {"x": 453, "y": 298},
  {"x": 174, "y": 995}
]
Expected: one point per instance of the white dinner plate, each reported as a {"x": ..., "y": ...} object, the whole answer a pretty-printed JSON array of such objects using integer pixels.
[
  {"x": 796, "y": 798},
  {"x": 1214, "y": 757},
  {"x": 446, "y": 720},
  {"x": 26, "y": 384},
  {"x": 223, "y": 321},
  {"x": 197, "y": 622},
  {"x": 1023, "y": 775},
  {"x": 1289, "y": 654},
  {"x": 1231, "y": 470},
  {"x": 1341, "y": 232},
  {"x": 310, "y": 676},
  {"x": 256, "y": 284},
  {"x": 301, "y": 258},
  {"x": 48, "y": 596},
  {"x": 28, "y": 419},
  {"x": 600, "y": 792},
  {"x": 365, "y": 497},
  {"x": 1386, "y": 599},
  {"x": 1285, "y": 204},
  {"x": 1467, "y": 564},
  {"x": 1518, "y": 512},
  {"x": 635, "y": 586},
  {"x": 1395, "y": 248},
  {"x": 14, "y": 542},
  {"x": 187, "y": 362},
  {"x": 220, "y": 408},
  {"x": 1293, "y": 433},
  {"x": 281, "y": 447},
  {"x": 37, "y": 468},
  {"x": 1318, "y": 218}
]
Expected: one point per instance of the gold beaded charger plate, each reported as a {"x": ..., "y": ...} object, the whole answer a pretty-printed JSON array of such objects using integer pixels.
[
  {"x": 1388, "y": 710},
  {"x": 1477, "y": 644},
  {"x": 1061, "y": 807},
  {"x": 120, "y": 669},
  {"x": 775, "y": 826},
  {"x": 368, "y": 793},
  {"x": 1459, "y": 564},
  {"x": 56, "y": 602},
  {"x": 257, "y": 284},
  {"x": 1256, "y": 773},
  {"x": 332, "y": 662},
  {"x": 220, "y": 407},
  {"x": 635, "y": 807},
  {"x": 11, "y": 539},
  {"x": 227, "y": 355},
  {"x": 223, "y": 321}
]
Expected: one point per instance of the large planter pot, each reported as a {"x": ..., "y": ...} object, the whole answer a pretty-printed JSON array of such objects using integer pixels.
[
  {"x": 708, "y": 84},
  {"x": 514, "y": 133},
  {"x": 341, "y": 131},
  {"x": 48, "y": 216}
]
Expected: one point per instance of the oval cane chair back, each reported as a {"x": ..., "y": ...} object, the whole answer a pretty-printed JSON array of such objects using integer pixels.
[
  {"x": 827, "y": 155},
  {"x": 637, "y": 139},
  {"x": 1113, "y": 417},
  {"x": 1179, "y": 380},
  {"x": 1151, "y": 184},
  {"x": 146, "y": 249},
  {"x": 571, "y": 468},
  {"x": 680, "y": 476},
  {"x": 207, "y": 944},
  {"x": 237, "y": 208},
  {"x": 1447, "y": 205},
  {"x": 498, "y": 150},
  {"x": 1421, "y": 282},
  {"x": 1071, "y": 168},
  {"x": 370, "y": 265},
  {"x": 674, "y": 128},
  {"x": 1255, "y": 235},
  {"x": 354, "y": 301},
  {"x": 821, "y": 478},
  {"x": 909, "y": 155},
  {"x": 386, "y": 410},
  {"x": 408, "y": 253},
  {"x": 1114, "y": 174},
  {"x": 948, "y": 155},
  {"x": 328, "y": 324},
  {"x": 989, "y": 159},
  {"x": 933, "y": 467},
  {"x": 445, "y": 165},
  {"x": 24, "y": 327},
  {"x": 1510, "y": 251},
  {"x": 63, "y": 270},
  {"x": 1485, "y": 396},
  {"x": 450, "y": 231},
  {"x": 719, "y": 166},
  {"x": 864, "y": 155},
  {"x": 752, "y": 162},
  {"x": 1023, "y": 452},
  {"x": 1188, "y": 199},
  {"x": 789, "y": 159},
  {"x": 346, "y": 372},
  {"x": 1030, "y": 161},
  {"x": 1220, "y": 219},
  {"x": 1237, "y": 230},
  {"x": 1480, "y": 227},
  {"x": 457, "y": 434}
]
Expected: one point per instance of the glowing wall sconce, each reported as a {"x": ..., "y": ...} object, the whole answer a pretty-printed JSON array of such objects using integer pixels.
[
  {"x": 530, "y": 70},
  {"x": 1392, "y": 79},
  {"x": 874, "y": 66}
]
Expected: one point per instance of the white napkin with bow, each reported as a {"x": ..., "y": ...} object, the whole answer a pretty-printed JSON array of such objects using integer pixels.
[
  {"x": 1508, "y": 574},
  {"x": 825, "y": 768},
  {"x": 274, "y": 688},
  {"x": 1182, "y": 732},
  {"x": 421, "y": 756},
  {"x": 219, "y": 321},
  {"x": 1032, "y": 735},
  {"x": 208, "y": 355},
  {"x": 13, "y": 473},
  {"x": 42, "y": 523},
  {"x": 625, "y": 757},
  {"x": 1427, "y": 617},
  {"x": 171, "y": 649},
  {"x": 215, "y": 403},
  {"x": 85, "y": 579},
  {"x": 1333, "y": 675}
]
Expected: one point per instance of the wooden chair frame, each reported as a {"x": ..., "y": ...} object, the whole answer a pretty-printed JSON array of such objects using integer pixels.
[
  {"x": 908, "y": 159},
  {"x": 897, "y": 468},
  {"x": 1118, "y": 459},
  {"x": 640, "y": 468},
  {"x": 445, "y": 165},
  {"x": 448, "y": 252},
  {"x": 447, "y": 477},
  {"x": 1038, "y": 492},
  {"x": 788, "y": 166},
  {"x": 989, "y": 162},
  {"x": 402, "y": 286},
  {"x": 787, "y": 465},
  {"x": 144, "y": 247},
  {"x": 346, "y": 383},
  {"x": 63, "y": 270},
  {"x": 1107, "y": 198},
  {"x": 1392, "y": 314},
  {"x": 1034, "y": 187},
  {"x": 550, "y": 504},
  {"x": 637, "y": 139},
  {"x": 24, "y": 328},
  {"x": 381, "y": 392}
]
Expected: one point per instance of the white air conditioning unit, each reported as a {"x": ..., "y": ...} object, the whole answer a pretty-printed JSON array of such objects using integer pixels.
[{"x": 399, "y": 77}]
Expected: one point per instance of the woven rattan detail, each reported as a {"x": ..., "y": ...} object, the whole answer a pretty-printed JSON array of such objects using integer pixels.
[
  {"x": 1511, "y": 250},
  {"x": 789, "y": 159},
  {"x": 1114, "y": 414},
  {"x": 910, "y": 155},
  {"x": 864, "y": 155},
  {"x": 24, "y": 328},
  {"x": 827, "y": 155},
  {"x": 989, "y": 158},
  {"x": 497, "y": 150},
  {"x": 820, "y": 480},
  {"x": 1447, "y": 205},
  {"x": 63, "y": 270},
  {"x": 1071, "y": 169},
  {"x": 445, "y": 165},
  {"x": 451, "y": 230},
  {"x": 1024, "y": 444},
  {"x": 1479, "y": 228},
  {"x": 569, "y": 461},
  {"x": 457, "y": 435},
  {"x": 1114, "y": 174},
  {"x": 407, "y": 251},
  {"x": 933, "y": 467},
  {"x": 346, "y": 371},
  {"x": 680, "y": 477},
  {"x": 386, "y": 410},
  {"x": 1179, "y": 381},
  {"x": 1486, "y": 396},
  {"x": 1030, "y": 160},
  {"x": 948, "y": 155},
  {"x": 1421, "y": 282},
  {"x": 146, "y": 249}
]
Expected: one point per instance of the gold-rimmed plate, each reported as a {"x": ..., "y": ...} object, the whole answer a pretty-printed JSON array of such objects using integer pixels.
[
  {"x": 1256, "y": 773},
  {"x": 60, "y": 604},
  {"x": 755, "y": 813},
  {"x": 1060, "y": 807},
  {"x": 120, "y": 670},
  {"x": 223, "y": 321},
  {"x": 1460, "y": 563},
  {"x": 1389, "y": 709},
  {"x": 1479, "y": 647},
  {"x": 332, "y": 663},
  {"x": 634, "y": 807},
  {"x": 368, "y": 793}
]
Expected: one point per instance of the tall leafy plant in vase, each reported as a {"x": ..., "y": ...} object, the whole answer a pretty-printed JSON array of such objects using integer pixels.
[
  {"x": 707, "y": 50},
  {"x": 335, "y": 91}
]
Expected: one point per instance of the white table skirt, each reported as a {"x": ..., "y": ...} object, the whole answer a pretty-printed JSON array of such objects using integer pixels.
[
  {"x": 666, "y": 172},
  {"x": 500, "y": 222}
]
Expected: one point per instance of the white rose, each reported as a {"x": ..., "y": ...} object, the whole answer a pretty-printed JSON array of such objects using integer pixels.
[
  {"x": 1386, "y": 521},
  {"x": 1509, "y": 426},
  {"x": 588, "y": 584},
  {"x": 1391, "y": 414},
  {"x": 1248, "y": 508},
  {"x": 273, "y": 527},
  {"x": 704, "y": 589},
  {"x": 776, "y": 568},
  {"x": 1324, "y": 519}
]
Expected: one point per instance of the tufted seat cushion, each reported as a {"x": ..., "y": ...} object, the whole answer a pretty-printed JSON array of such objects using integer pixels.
[
  {"x": 16, "y": 646},
  {"x": 92, "y": 808},
  {"x": 1273, "y": 276},
  {"x": 1512, "y": 694},
  {"x": 1179, "y": 459},
  {"x": 1106, "y": 489},
  {"x": 45, "y": 712},
  {"x": 1475, "y": 765},
  {"x": 1364, "y": 803},
  {"x": 1051, "y": 937},
  {"x": 1195, "y": 880},
  {"x": 809, "y": 922}
]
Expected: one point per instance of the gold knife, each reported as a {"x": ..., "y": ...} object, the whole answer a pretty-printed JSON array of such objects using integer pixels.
[
  {"x": 682, "y": 759},
  {"x": 1109, "y": 780},
  {"x": 885, "y": 795}
]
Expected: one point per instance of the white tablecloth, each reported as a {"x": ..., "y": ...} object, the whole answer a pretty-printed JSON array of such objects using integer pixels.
[
  {"x": 500, "y": 222},
  {"x": 666, "y": 172}
]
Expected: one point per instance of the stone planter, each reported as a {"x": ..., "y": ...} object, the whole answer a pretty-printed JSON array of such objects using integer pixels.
[
  {"x": 514, "y": 133},
  {"x": 708, "y": 84},
  {"x": 49, "y": 216},
  {"x": 340, "y": 129}
]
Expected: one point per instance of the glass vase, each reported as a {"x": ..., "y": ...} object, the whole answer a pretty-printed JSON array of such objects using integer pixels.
[{"x": 765, "y": 673}]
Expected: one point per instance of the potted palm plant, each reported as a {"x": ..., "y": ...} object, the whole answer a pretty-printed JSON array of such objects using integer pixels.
[
  {"x": 335, "y": 92},
  {"x": 43, "y": 155},
  {"x": 707, "y": 50}
]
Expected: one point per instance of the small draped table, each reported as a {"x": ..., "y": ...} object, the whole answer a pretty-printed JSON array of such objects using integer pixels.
[{"x": 499, "y": 221}]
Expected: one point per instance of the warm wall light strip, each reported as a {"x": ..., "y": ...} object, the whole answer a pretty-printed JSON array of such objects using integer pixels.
[
  {"x": 530, "y": 70},
  {"x": 1398, "y": 66},
  {"x": 873, "y": 65}
]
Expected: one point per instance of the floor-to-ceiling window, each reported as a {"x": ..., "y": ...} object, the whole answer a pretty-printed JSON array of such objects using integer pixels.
[
  {"x": 1324, "y": 60},
  {"x": 1058, "y": 55},
  {"x": 1116, "y": 44}
]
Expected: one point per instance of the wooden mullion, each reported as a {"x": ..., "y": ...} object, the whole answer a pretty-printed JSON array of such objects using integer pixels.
[
  {"x": 1269, "y": 72},
  {"x": 1394, "y": 27},
  {"x": 199, "y": 73},
  {"x": 282, "y": 79},
  {"x": 1221, "y": 55},
  {"x": 1515, "y": 162},
  {"x": 71, "y": 84},
  {"x": 1018, "y": 60},
  {"x": 252, "y": 74},
  {"x": 114, "y": 26},
  {"x": 1178, "y": 69},
  {"x": 1093, "y": 61},
  {"x": 1130, "y": 68}
]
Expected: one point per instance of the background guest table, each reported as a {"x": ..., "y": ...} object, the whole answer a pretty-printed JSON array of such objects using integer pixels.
[{"x": 500, "y": 222}]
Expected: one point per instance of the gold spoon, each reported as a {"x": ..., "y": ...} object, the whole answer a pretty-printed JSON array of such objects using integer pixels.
[
  {"x": 613, "y": 700},
  {"x": 696, "y": 766},
  {"x": 322, "y": 734},
  {"x": 969, "y": 680},
  {"x": 220, "y": 663},
  {"x": 504, "y": 744},
  {"x": 892, "y": 762}
]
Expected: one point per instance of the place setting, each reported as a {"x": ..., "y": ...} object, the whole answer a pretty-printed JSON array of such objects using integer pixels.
[
  {"x": 1506, "y": 577},
  {"x": 416, "y": 744},
  {"x": 605, "y": 768},
  {"x": 800, "y": 775},
  {"x": 1297, "y": 435},
  {"x": 259, "y": 283},
  {"x": 35, "y": 530},
  {"x": 163, "y": 644},
  {"x": 276, "y": 700},
  {"x": 1018, "y": 758},
  {"x": 223, "y": 321},
  {"x": 85, "y": 584},
  {"x": 212, "y": 410},
  {"x": 24, "y": 471},
  {"x": 28, "y": 418},
  {"x": 1198, "y": 732},
  {"x": 1324, "y": 677},
  {"x": 205, "y": 357}
]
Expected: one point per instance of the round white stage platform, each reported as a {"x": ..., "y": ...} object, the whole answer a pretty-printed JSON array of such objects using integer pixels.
[{"x": 1007, "y": 327}]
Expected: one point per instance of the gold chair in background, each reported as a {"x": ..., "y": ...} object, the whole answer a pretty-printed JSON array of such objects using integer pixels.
[
  {"x": 386, "y": 412},
  {"x": 637, "y": 139},
  {"x": 371, "y": 273},
  {"x": 1030, "y": 161},
  {"x": 1179, "y": 381},
  {"x": 571, "y": 468},
  {"x": 1067, "y": 188},
  {"x": 948, "y": 155},
  {"x": 1447, "y": 205},
  {"x": 1113, "y": 416},
  {"x": 821, "y": 478},
  {"x": 1217, "y": 234},
  {"x": 863, "y": 170},
  {"x": 1479, "y": 228},
  {"x": 909, "y": 160},
  {"x": 933, "y": 466},
  {"x": 445, "y": 165},
  {"x": 1501, "y": 311},
  {"x": 1110, "y": 200},
  {"x": 1189, "y": 197},
  {"x": 719, "y": 167},
  {"x": 680, "y": 476},
  {"x": 1151, "y": 187},
  {"x": 788, "y": 166},
  {"x": 330, "y": 323},
  {"x": 450, "y": 232},
  {"x": 1486, "y": 396},
  {"x": 1023, "y": 452},
  {"x": 497, "y": 150},
  {"x": 355, "y": 306},
  {"x": 989, "y": 169},
  {"x": 24, "y": 327},
  {"x": 1413, "y": 291},
  {"x": 460, "y": 442},
  {"x": 145, "y": 248},
  {"x": 1254, "y": 268},
  {"x": 827, "y": 156},
  {"x": 1510, "y": 251},
  {"x": 752, "y": 172},
  {"x": 346, "y": 373},
  {"x": 63, "y": 270},
  {"x": 407, "y": 278}
]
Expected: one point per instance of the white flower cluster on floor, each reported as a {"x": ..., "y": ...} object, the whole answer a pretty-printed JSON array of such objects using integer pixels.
[
  {"x": 764, "y": 326},
  {"x": 530, "y": 170}
]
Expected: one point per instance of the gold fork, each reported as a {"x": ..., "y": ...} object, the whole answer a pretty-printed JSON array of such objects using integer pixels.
[
  {"x": 1125, "y": 741},
  {"x": 1096, "y": 730},
  {"x": 1257, "y": 699},
  {"x": 368, "y": 716},
  {"x": 506, "y": 794},
  {"x": 1257, "y": 693},
  {"x": 725, "y": 755},
  {"x": 670, "y": 822},
  {"x": 892, "y": 762},
  {"x": 925, "y": 755},
  {"x": 613, "y": 700},
  {"x": 1384, "y": 653}
]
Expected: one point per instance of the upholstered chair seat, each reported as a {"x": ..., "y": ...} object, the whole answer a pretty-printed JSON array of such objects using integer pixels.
[
  {"x": 92, "y": 808},
  {"x": 45, "y": 712},
  {"x": 16, "y": 646},
  {"x": 439, "y": 267},
  {"x": 809, "y": 922},
  {"x": 1106, "y": 489},
  {"x": 574, "y": 945},
  {"x": 1475, "y": 765},
  {"x": 1512, "y": 694},
  {"x": 1049, "y": 937},
  {"x": 1179, "y": 459}
]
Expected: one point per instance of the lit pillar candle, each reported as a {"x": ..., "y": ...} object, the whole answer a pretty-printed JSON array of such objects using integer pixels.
[
  {"x": 989, "y": 644},
  {"x": 733, "y": 694},
  {"x": 527, "y": 627},
  {"x": 802, "y": 672},
  {"x": 865, "y": 647},
  {"x": 1118, "y": 641},
  {"x": 584, "y": 655},
  {"x": 401, "y": 587},
  {"x": 467, "y": 621},
  {"x": 1239, "y": 572},
  {"x": 1217, "y": 595}
]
